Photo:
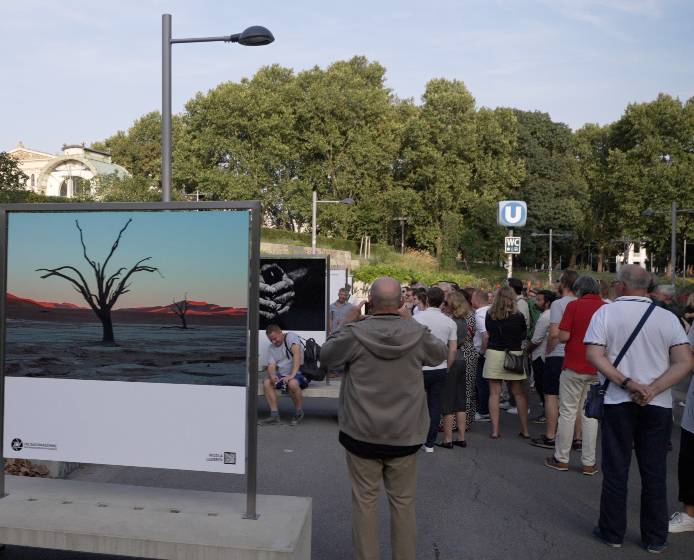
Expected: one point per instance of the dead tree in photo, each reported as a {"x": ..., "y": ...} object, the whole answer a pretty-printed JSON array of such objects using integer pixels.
[
  {"x": 108, "y": 289},
  {"x": 180, "y": 308}
]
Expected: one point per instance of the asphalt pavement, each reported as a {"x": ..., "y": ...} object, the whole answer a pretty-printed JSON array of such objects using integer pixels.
[{"x": 493, "y": 500}]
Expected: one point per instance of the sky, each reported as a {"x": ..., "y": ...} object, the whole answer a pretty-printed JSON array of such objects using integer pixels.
[
  {"x": 203, "y": 254},
  {"x": 78, "y": 71}
]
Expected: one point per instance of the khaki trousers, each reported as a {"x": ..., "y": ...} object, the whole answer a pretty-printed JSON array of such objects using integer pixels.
[
  {"x": 399, "y": 477},
  {"x": 573, "y": 388}
]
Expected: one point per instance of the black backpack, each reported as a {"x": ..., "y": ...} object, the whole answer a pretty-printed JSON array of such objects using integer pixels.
[{"x": 311, "y": 368}]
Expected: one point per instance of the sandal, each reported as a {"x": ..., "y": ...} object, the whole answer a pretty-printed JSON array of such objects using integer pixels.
[
  {"x": 460, "y": 443},
  {"x": 522, "y": 435},
  {"x": 497, "y": 436}
]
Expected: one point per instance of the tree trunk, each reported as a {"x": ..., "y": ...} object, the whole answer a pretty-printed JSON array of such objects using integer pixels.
[
  {"x": 183, "y": 321},
  {"x": 572, "y": 259},
  {"x": 601, "y": 260},
  {"x": 108, "y": 327}
]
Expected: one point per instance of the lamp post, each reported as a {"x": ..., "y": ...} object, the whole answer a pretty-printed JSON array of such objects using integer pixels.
[
  {"x": 314, "y": 211},
  {"x": 402, "y": 220},
  {"x": 550, "y": 234},
  {"x": 674, "y": 210},
  {"x": 254, "y": 36}
]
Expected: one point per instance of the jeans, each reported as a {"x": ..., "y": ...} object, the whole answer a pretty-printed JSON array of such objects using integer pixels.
[
  {"x": 647, "y": 430},
  {"x": 482, "y": 387},
  {"x": 433, "y": 385},
  {"x": 573, "y": 387}
]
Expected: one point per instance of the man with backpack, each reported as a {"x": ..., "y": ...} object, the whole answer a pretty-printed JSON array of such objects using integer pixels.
[{"x": 286, "y": 356}]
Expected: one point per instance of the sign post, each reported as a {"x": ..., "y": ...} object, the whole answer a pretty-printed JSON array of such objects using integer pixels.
[{"x": 512, "y": 213}]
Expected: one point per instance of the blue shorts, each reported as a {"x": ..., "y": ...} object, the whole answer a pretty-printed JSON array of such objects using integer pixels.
[{"x": 303, "y": 382}]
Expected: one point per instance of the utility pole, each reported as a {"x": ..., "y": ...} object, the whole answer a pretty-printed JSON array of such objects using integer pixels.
[{"x": 509, "y": 259}]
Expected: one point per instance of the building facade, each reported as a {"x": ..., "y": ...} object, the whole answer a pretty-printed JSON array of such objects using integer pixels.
[{"x": 73, "y": 172}]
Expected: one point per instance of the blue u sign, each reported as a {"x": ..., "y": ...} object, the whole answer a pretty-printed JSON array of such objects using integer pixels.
[{"x": 512, "y": 213}]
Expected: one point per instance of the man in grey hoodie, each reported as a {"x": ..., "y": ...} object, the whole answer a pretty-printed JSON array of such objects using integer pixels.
[{"x": 383, "y": 415}]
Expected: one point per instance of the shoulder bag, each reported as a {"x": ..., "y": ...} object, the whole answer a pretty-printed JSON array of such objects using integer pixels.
[
  {"x": 595, "y": 399},
  {"x": 515, "y": 363}
]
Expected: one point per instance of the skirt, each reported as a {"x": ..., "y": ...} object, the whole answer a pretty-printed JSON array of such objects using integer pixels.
[{"x": 494, "y": 366}]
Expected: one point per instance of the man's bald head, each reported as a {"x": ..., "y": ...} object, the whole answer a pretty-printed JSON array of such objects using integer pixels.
[
  {"x": 385, "y": 295},
  {"x": 634, "y": 277}
]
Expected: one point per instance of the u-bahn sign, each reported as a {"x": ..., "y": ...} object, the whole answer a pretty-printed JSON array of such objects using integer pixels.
[{"x": 512, "y": 213}]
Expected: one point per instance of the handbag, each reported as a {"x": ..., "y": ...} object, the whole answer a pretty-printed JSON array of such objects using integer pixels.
[
  {"x": 515, "y": 363},
  {"x": 595, "y": 399}
]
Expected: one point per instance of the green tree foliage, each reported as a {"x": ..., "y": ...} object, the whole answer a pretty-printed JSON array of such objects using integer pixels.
[
  {"x": 12, "y": 179},
  {"x": 553, "y": 187},
  {"x": 442, "y": 163}
]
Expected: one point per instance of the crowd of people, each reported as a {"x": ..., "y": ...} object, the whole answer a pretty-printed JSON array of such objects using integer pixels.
[{"x": 482, "y": 352}]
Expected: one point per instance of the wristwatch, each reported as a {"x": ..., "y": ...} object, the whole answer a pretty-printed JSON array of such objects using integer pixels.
[{"x": 624, "y": 383}]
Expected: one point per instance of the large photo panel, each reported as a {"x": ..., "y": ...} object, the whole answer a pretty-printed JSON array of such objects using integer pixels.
[
  {"x": 294, "y": 294},
  {"x": 126, "y": 337}
]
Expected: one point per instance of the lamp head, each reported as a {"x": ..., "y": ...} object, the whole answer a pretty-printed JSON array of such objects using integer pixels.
[
  {"x": 648, "y": 212},
  {"x": 347, "y": 201},
  {"x": 256, "y": 36}
]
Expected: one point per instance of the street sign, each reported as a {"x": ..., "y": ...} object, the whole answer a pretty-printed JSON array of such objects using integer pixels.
[
  {"x": 512, "y": 213},
  {"x": 512, "y": 245}
]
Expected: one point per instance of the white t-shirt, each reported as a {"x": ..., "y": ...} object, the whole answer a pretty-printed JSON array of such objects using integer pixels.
[
  {"x": 540, "y": 335},
  {"x": 523, "y": 309},
  {"x": 556, "y": 312},
  {"x": 279, "y": 355},
  {"x": 648, "y": 356},
  {"x": 441, "y": 326},
  {"x": 480, "y": 328},
  {"x": 688, "y": 416}
]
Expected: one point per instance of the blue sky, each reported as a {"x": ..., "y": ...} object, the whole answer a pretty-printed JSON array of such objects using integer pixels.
[
  {"x": 202, "y": 253},
  {"x": 77, "y": 71}
]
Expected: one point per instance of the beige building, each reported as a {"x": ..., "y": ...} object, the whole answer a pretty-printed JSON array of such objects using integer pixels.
[{"x": 71, "y": 173}]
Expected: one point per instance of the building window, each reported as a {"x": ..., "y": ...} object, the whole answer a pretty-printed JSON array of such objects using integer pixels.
[
  {"x": 63, "y": 188},
  {"x": 33, "y": 180}
]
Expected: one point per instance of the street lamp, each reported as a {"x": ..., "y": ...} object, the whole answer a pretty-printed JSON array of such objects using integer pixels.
[
  {"x": 550, "y": 234},
  {"x": 649, "y": 212},
  {"x": 402, "y": 220},
  {"x": 314, "y": 211},
  {"x": 253, "y": 36}
]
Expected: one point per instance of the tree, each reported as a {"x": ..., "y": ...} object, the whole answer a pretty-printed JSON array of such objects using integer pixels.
[
  {"x": 12, "y": 178},
  {"x": 180, "y": 308},
  {"x": 108, "y": 290},
  {"x": 439, "y": 147}
]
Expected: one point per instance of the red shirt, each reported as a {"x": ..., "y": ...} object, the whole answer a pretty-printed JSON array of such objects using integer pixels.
[{"x": 576, "y": 320}]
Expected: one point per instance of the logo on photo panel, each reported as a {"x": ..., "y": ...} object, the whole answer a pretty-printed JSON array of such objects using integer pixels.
[
  {"x": 17, "y": 444},
  {"x": 512, "y": 213}
]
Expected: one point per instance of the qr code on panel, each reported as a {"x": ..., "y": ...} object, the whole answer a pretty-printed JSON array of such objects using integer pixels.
[{"x": 229, "y": 458}]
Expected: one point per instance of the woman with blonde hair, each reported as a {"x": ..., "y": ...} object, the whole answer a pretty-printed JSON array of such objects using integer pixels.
[
  {"x": 507, "y": 330},
  {"x": 459, "y": 385}
]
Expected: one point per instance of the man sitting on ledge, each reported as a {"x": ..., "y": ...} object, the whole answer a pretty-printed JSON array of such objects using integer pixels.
[{"x": 286, "y": 357}]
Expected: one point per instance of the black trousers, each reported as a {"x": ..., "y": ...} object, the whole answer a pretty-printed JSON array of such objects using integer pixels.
[
  {"x": 482, "y": 387},
  {"x": 538, "y": 370},
  {"x": 433, "y": 385},
  {"x": 646, "y": 430},
  {"x": 685, "y": 468}
]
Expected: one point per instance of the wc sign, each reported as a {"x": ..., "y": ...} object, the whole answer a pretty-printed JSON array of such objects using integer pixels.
[{"x": 512, "y": 213}]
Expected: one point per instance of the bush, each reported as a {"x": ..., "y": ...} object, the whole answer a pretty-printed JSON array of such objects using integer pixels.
[{"x": 370, "y": 272}]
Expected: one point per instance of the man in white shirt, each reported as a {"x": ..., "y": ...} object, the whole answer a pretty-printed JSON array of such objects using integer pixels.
[
  {"x": 480, "y": 303},
  {"x": 554, "y": 360},
  {"x": 638, "y": 404},
  {"x": 538, "y": 345},
  {"x": 443, "y": 328},
  {"x": 683, "y": 520}
]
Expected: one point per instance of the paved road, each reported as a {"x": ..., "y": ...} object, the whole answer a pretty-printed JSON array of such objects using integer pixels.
[{"x": 491, "y": 501}]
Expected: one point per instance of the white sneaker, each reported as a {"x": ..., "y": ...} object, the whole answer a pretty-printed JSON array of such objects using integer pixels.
[
  {"x": 680, "y": 522},
  {"x": 428, "y": 449},
  {"x": 482, "y": 417},
  {"x": 504, "y": 405},
  {"x": 513, "y": 410}
]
